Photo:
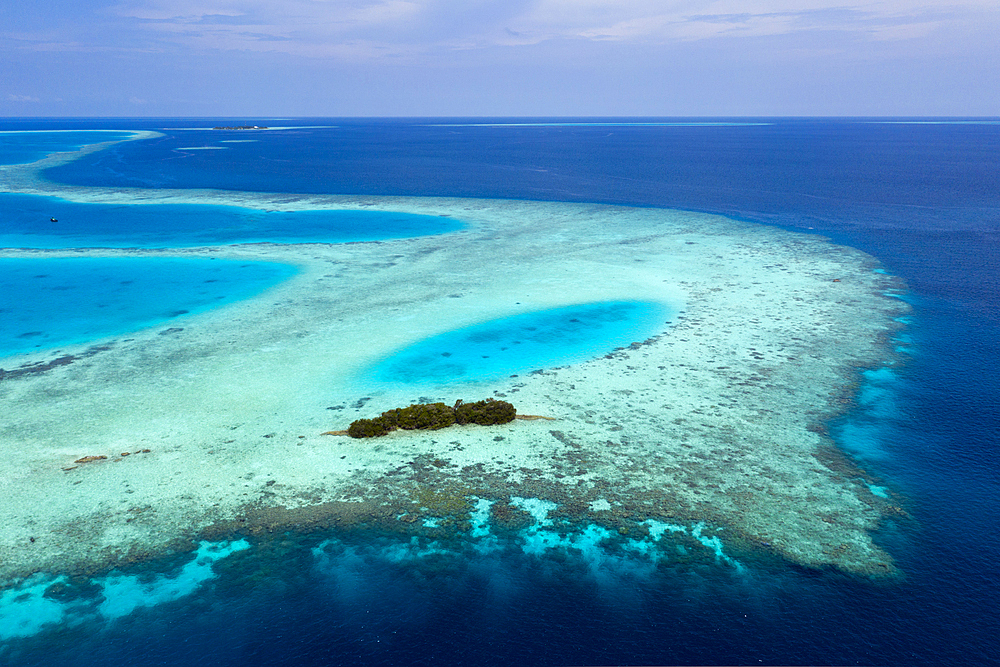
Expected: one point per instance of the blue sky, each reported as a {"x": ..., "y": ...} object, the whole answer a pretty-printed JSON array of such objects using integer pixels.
[{"x": 489, "y": 58}]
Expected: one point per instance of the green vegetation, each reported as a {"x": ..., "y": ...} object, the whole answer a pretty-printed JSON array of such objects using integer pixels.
[
  {"x": 369, "y": 428},
  {"x": 421, "y": 416},
  {"x": 433, "y": 416},
  {"x": 485, "y": 412}
]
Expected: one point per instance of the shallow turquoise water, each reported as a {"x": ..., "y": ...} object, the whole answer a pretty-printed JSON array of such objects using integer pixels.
[
  {"x": 526, "y": 342},
  {"x": 33, "y": 221},
  {"x": 45, "y": 303},
  {"x": 25, "y": 147}
]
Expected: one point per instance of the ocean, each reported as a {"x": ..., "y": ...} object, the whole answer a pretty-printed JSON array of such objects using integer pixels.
[{"x": 922, "y": 197}]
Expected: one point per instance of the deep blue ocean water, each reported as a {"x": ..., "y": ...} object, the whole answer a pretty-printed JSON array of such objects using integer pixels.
[
  {"x": 923, "y": 198},
  {"x": 21, "y": 147}
]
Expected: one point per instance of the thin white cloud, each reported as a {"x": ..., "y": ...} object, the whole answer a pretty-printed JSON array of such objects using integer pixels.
[
  {"x": 172, "y": 11},
  {"x": 378, "y": 29},
  {"x": 22, "y": 98},
  {"x": 652, "y": 21}
]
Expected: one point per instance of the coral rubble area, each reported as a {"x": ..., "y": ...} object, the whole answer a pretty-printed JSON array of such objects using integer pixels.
[{"x": 213, "y": 427}]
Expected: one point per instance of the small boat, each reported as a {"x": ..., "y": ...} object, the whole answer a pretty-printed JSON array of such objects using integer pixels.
[{"x": 53, "y": 220}]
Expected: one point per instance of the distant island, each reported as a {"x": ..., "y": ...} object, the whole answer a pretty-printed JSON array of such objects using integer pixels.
[{"x": 241, "y": 127}]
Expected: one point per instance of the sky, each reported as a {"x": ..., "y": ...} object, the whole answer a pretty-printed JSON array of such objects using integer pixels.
[{"x": 272, "y": 58}]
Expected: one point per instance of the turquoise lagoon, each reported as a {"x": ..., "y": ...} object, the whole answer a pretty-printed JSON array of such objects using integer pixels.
[
  {"x": 525, "y": 342},
  {"x": 35, "y": 221},
  {"x": 48, "y": 302}
]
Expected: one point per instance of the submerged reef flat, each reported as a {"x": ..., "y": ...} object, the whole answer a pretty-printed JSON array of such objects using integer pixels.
[{"x": 137, "y": 445}]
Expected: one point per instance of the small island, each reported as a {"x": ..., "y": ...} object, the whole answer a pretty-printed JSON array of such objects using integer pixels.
[
  {"x": 432, "y": 416},
  {"x": 240, "y": 127}
]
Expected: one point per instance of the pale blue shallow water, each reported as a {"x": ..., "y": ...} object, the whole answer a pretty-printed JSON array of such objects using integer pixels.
[
  {"x": 924, "y": 198},
  {"x": 521, "y": 343},
  {"x": 34, "y": 221},
  {"x": 46, "y": 303}
]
